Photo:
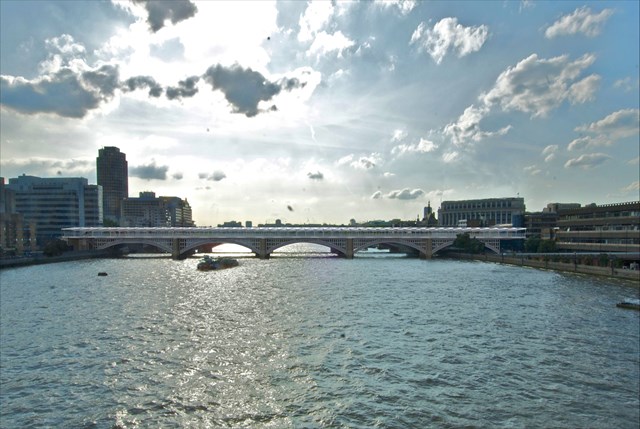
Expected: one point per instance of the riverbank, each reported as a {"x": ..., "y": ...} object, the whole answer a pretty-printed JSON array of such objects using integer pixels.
[
  {"x": 523, "y": 261},
  {"x": 68, "y": 256}
]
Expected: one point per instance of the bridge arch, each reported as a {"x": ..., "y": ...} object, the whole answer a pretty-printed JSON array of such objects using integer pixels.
[
  {"x": 166, "y": 247},
  {"x": 404, "y": 243},
  {"x": 194, "y": 244},
  {"x": 336, "y": 246}
]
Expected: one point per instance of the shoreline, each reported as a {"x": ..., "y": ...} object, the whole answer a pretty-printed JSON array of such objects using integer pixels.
[
  {"x": 41, "y": 260},
  {"x": 631, "y": 276}
]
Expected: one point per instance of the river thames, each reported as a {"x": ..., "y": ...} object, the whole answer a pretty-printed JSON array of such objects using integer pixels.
[{"x": 310, "y": 341}]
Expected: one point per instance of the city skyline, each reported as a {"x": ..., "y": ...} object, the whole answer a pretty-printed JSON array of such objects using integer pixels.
[{"x": 320, "y": 112}]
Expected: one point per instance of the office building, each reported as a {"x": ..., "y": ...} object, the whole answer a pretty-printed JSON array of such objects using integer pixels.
[
  {"x": 150, "y": 211},
  {"x": 50, "y": 204},
  {"x": 482, "y": 213},
  {"x": 600, "y": 228},
  {"x": 113, "y": 176}
]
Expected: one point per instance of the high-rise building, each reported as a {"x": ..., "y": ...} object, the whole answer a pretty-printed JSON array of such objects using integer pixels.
[
  {"x": 50, "y": 204},
  {"x": 113, "y": 176}
]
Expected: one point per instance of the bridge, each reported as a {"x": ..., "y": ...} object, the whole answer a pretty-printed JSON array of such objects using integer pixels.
[{"x": 263, "y": 241}]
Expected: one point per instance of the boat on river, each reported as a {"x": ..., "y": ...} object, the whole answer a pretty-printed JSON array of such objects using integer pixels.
[
  {"x": 632, "y": 304},
  {"x": 208, "y": 263}
]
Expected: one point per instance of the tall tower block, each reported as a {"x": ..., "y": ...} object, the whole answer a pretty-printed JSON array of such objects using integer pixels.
[{"x": 113, "y": 176}]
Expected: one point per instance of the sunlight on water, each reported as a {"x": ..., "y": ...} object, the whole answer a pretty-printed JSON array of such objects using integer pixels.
[{"x": 293, "y": 341}]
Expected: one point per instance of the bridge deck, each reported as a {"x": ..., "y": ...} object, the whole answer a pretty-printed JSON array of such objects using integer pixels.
[{"x": 293, "y": 232}]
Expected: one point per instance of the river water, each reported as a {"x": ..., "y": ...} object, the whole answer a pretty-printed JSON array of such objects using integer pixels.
[{"x": 310, "y": 341}]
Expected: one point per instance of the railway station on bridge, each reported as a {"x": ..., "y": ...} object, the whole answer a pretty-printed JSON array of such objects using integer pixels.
[{"x": 263, "y": 241}]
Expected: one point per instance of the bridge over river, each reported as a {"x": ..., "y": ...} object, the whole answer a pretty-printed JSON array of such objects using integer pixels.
[{"x": 344, "y": 241}]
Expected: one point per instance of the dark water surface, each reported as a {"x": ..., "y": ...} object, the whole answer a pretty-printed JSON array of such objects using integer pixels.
[{"x": 305, "y": 342}]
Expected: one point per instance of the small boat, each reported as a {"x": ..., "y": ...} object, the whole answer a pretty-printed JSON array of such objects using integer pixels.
[
  {"x": 102, "y": 274},
  {"x": 632, "y": 304},
  {"x": 208, "y": 263}
]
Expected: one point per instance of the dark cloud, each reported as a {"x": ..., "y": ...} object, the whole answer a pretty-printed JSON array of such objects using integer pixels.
[
  {"x": 150, "y": 171},
  {"x": 143, "y": 82},
  {"x": 406, "y": 194},
  {"x": 185, "y": 88},
  {"x": 315, "y": 176},
  {"x": 160, "y": 11},
  {"x": 65, "y": 93},
  {"x": 216, "y": 176},
  {"x": 244, "y": 89}
]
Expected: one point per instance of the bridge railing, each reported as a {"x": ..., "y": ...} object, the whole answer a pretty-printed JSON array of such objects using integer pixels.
[{"x": 310, "y": 232}]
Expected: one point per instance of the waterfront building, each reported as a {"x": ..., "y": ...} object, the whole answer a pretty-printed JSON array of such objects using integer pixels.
[
  {"x": 50, "y": 204},
  {"x": 150, "y": 211},
  {"x": 113, "y": 176},
  {"x": 543, "y": 224},
  {"x": 600, "y": 228},
  {"x": 483, "y": 212}
]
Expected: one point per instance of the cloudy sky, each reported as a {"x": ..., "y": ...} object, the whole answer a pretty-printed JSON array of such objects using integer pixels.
[{"x": 327, "y": 111}]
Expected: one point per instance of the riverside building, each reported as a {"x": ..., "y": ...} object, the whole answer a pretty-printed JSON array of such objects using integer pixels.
[
  {"x": 599, "y": 228},
  {"x": 150, "y": 211},
  {"x": 482, "y": 213},
  {"x": 50, "y": 204},
  {"x": 113, "y": 176}
]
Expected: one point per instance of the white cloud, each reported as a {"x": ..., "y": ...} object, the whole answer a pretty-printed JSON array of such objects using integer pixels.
[
  {"x": 325, "y": 43},
  {"x": 448, "y": 35},
  {"x": 587, "y": 161},
  {"x": 627, "y": 84},
  {"x": 538, "y": 86},
  {"x": 618, "y": 125},
  {"x": 549, "y": 152},
  {"x": 399, "y": 135},
  {"x": 403, "y": 6},
  {"x": 423, "y": 146},
  {"x": 315, "y": 17},
  {"x": 533, "y": 170},
  {"x": 634, "y": 186},
  {"x": 467, "y": 128},
  {"x": 582, "y": 20},
  {"x": 450, "y": 156},
  {"x": 405, "y": 194}
]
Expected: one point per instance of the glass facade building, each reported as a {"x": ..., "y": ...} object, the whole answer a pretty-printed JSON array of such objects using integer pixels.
[{"x": 55, "y": 203}]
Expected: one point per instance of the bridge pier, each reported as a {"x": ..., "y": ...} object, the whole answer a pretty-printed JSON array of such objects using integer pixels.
[
  {"x": 427, "y": 249},
  {"x": 262, "y": 249},
  {"x": 349, "y": 248},
  {"x": 175, "y": 249}
]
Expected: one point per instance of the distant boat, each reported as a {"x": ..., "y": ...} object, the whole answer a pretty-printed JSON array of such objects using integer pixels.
[
  {"x": 632, "y": 304},
  {"x": 208, "y": 263}
]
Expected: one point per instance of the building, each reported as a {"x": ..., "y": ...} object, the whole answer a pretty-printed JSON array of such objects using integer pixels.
[
  {"x": 50, "y": 204},
  {"x": 11, "y": 222},
  {"x": 429, "y": 217},
  {"x": 113, "y": 176},
  {"x": 150, "y": 211},
  {"x": 485, "y": 212},
  {"x": 543, "y": 224},
  {"x": 600, "y": 228}
]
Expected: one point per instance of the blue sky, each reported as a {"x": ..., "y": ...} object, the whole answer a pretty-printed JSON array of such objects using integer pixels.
[{"x": 339, "y": 110}]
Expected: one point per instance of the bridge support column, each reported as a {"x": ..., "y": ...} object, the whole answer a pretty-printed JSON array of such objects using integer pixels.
[
  {"x": 349, "y": 248},
  {"x": 426, "y": 252},
  {"x": 262, "y": 249},
  {"x": 175, "y": 249}
]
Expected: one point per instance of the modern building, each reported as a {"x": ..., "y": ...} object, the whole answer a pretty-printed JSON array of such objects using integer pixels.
[
  {"x": 50, "y": 204},
  {"x": 543, "y": 224},
  {"x": 485, "y": 212},
  {"x": 11, "y": 222},
  {"x": 600, "y": 228},
  {"x": 150, "y": 211},
  {"x": 113, "y": 176}
]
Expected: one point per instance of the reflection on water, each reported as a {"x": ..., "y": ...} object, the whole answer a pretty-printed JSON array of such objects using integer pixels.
[{"x": 293, "y": 341}]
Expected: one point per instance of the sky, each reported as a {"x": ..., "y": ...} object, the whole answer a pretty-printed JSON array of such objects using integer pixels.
[{"x": 323, "y": 112}]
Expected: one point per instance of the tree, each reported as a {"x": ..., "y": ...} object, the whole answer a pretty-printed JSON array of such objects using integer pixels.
[
  {"x": 468, "y": 244},
  {"x": 56, "y": 247}
]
